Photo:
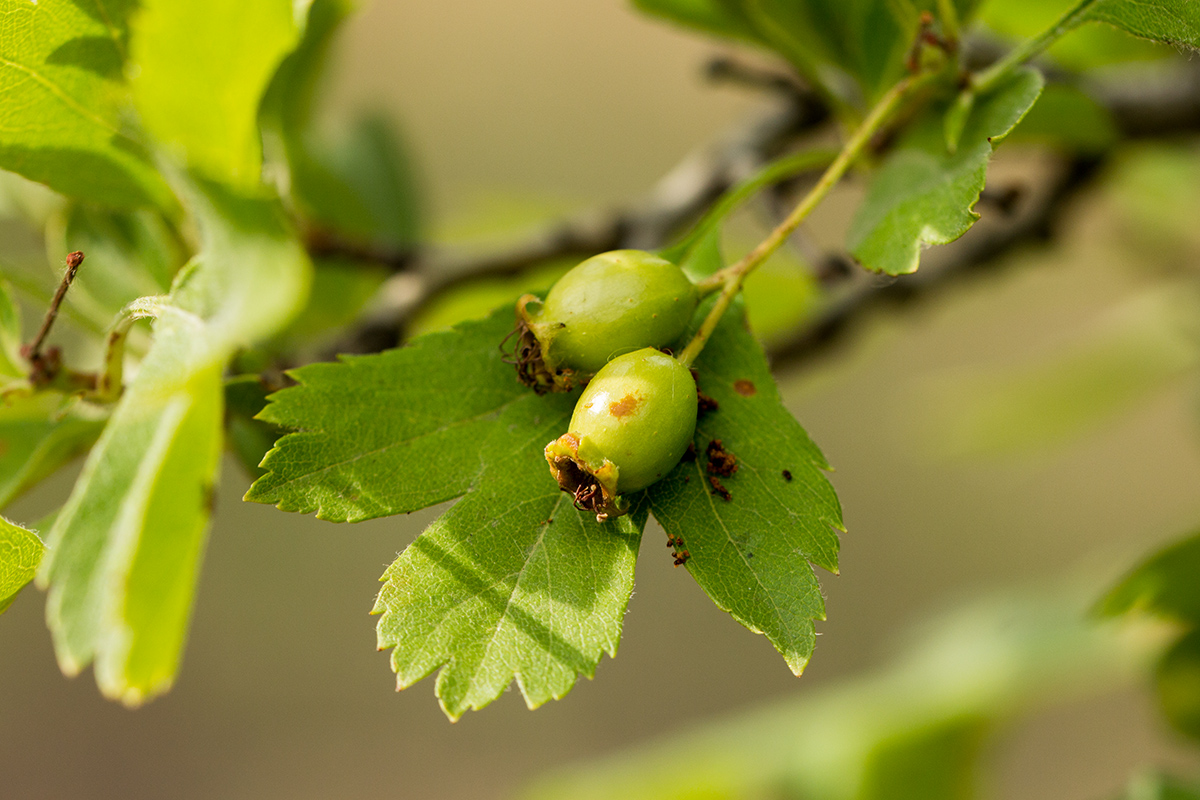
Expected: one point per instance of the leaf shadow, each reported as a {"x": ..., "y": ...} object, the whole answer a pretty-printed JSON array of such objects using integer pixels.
[
  {"x": 482, "y": 584},
  {"x": 98, "y": 54}
]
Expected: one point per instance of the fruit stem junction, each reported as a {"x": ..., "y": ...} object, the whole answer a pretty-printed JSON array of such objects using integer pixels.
[{"x": 729, "y": 280}]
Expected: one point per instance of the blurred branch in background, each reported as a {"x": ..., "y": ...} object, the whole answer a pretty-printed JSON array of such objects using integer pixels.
[{"x": 1161, "y": 105}]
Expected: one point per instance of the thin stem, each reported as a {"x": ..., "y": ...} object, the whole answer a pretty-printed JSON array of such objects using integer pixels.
[
  {"x": 781, "y": 169},
  {"x": 949, "y": 17},
  {"x": 34, "y": 348},
  {"x": 1030, "y": 48},
  {"x": 730, "y": 278}
]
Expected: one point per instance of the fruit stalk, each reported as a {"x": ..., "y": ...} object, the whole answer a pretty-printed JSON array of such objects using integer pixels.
[{"x": 730, "y": 279}]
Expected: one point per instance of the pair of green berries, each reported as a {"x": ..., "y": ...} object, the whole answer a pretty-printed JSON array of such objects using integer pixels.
[{"x": 605, "y": 320}]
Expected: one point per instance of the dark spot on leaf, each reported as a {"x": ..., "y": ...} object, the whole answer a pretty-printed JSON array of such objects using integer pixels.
[
  {"x": 745, "y": 388},
  {"x": 705, "y": 404},
  {"x": 720, "y": 461},
  {"x": 719, "y": 489},
  {"x": 624, "y": 407},
  {"x": 689, "y": 455},
  {"x": 787, "y": 475}
]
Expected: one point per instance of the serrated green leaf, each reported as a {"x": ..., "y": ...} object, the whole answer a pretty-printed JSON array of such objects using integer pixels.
[
  {"x": 493, "y": 590},
  {"x": 60, "y": 98},
  {"x": 512, "y": 582},
  {"x": 1166, "y": 584},
  {"x": 753, "y": 553},
  {"x": 923, "y": 194},
  {"x": 40, "y": 433},
  {"x": 200, "y": 68},
  {"x": 389, "y": 433},
  {"x": 1173, "y": 22},
  {"x": 20, "y": 553},
  {"x": 126, "y": 547},
  {"x": 1066, "y": 117},
  {"x": 1177, "y": 682}
]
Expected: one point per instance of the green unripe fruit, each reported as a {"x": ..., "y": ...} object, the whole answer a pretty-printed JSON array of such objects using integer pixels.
[
  {"x": 611, "y": 304},
  {"x": 630, "y": 427}
]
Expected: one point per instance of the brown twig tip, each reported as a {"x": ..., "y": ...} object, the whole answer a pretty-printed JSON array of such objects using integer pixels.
[{"x": 43, "y": 367}]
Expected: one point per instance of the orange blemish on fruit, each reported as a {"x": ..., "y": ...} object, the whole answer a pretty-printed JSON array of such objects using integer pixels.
[{"x": 623, "y": 407}]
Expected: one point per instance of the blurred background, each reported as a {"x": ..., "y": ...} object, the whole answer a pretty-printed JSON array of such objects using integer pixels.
[{"x": 1026, "y": 435}]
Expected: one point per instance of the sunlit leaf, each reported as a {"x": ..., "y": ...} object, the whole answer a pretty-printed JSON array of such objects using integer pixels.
[
  {"x": 512, "y": 583},
  {"x": 20, "y": 553},
  {"x": 751, "y": 553},
  {"x": 200, "y": 68},
  {"x": 126, "y": 547},
  {"x": 60, "y": 99}
]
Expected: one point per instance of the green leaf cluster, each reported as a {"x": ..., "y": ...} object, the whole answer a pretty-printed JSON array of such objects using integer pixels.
[
  {"x": 148, "y": 121},
  {"x": 513, "y": 582}
]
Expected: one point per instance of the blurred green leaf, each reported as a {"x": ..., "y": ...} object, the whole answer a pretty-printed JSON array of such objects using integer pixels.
[
  {"x": 1149, "y": 342},
  {"x": 360, "y": 186},
  {"x": 60, "y": 102},
  {"x": 1086, "y": 48},
  {"x": 830, "y": 42},
  {"x": 20, "y": 553},
  {"x": 126, "y": 547},
  {"x": 40, "y": 433},
  {"x": 1167, "y": 584},
  {"x": 1155, "y": 189},
  {"x": 200, "y": 68},
  {"x": 937, "y": 763},
  {"x": 340, "y": 290},
  {"x": 1153, "y": 786},
  {"x": 924, "y": 194},
  {"x": 752, "y": 553},
  {"x": 1067, "y": 118},
  {"x": 1177, "y": 681},
  {"x": 512, "y": 581},
  {"x": 12, "y": 365},
  {"x": 249, "y": 438},
  {"x": 912, "y": 730}
]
